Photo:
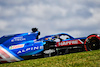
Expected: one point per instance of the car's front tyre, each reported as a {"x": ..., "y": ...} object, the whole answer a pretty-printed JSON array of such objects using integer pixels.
[{"x": 92, "y": 42}]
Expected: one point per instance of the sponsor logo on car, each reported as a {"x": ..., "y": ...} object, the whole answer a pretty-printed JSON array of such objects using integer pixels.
[
  {"x": 30, "y": 49},
  {"x": 16, "y": 46},
  {"x": 71, "y": 42},
  {"x": 18, "y": 39},
  {"x": 49, "y": 51}
]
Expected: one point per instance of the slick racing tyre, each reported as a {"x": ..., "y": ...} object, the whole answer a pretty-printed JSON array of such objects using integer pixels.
[{"x": 92, "y": 42}]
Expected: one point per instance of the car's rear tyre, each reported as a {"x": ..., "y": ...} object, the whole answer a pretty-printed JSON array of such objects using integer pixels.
[{"x": 92, "y": 42}]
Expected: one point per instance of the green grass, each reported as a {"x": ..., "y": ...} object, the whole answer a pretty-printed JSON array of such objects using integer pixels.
[{"x": 81, "y": 59}]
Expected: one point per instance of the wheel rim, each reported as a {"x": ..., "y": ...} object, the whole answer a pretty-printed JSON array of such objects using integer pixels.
[{"x": 93, "y": 43}]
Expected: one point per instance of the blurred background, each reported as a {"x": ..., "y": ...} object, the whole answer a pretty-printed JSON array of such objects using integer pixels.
[{"x": 76, "y": 17}]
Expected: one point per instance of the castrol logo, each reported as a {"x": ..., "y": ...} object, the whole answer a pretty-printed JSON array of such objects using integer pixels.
[{"x": 16, "y": 46}]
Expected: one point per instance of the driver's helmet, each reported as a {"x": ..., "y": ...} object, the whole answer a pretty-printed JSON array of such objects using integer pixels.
[{"x": 57, "y": 36}]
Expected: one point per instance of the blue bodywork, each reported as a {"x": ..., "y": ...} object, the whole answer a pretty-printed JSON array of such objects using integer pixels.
[
  {"x": 19, "y": 45},
  {"x": 14, "y": 47},
  {"x": 51, "y": 37}
]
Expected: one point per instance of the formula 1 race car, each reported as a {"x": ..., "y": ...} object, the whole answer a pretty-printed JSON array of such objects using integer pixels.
[{"x": 19, "y": 47}]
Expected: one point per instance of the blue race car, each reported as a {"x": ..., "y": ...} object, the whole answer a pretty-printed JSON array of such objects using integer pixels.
[{"x": 23, "y": 46}]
